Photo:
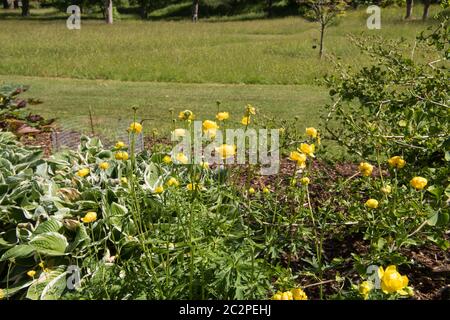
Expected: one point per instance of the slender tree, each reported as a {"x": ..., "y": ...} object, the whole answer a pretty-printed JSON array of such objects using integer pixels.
[
  {"x": 409, "y": 8},
  {"x": 195, "y": 5},
  {"x": 426, "y": 9},
  {"x": 109, "y": 11},
  {"x": 6, "y": 4},
  {"x": 25, "y": 8},
  {"x": 324, "y": 12}
]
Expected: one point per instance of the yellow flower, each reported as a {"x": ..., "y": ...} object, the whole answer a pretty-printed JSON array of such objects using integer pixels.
[
  {"x": 418, "y": 182},
  {"x": 304, "y": 181},
  {"x": 120, "y": 145},
  {"x": 121, "y": 155},
  {"x": 124, "y": 180},
  {"x": 386, "y": 189},
  {"x": 159, "y": 189},
  {"x": 312, "y": 132},
  {"x": 173, "y": 182},
  {"x": 277, "y": 296},
  {"x": 307, "y": 149},
  {"x": 89, "y": 217},
  {"x": 179, "y": 132},
  {"x": 287, "y": 295},
  {"x": 397, "y": 162},
  {"x": 365, "y": 168},
  {"x": 245, "y": 121},
  {"x": 2, "y": 294},
  {"x": 135, "y": 127},
  {"x": 31, "y": 273},
  {"x": 194, "y": 186},
  {"x": 372, "y": 203},
  {"x": 221, "y": 116},
  {"x": 226, "y": 151},
  {"x": 167, "y": 159},
  {"x": 186, "y": 115},
  {"x": 208, "y": 125},
  {"x": 266, "y": 190},
  {"x": 181, "y": 158},
  {"x": 392, "y": 281},
  {"x": 83, "y": 172},
  {"x": 250, "y": 109},
  {"x": 251, "y": 190},
  {"x": 204, "y": 165},
  {"x": 364, "y": 288},
  {"x": 282, "y": 131},
  {"x": 104, "y": 165},
  {"x": 300, "y": 158},
  {"x": 41, "y": 264},
  {"x": 299, "y": 294}
]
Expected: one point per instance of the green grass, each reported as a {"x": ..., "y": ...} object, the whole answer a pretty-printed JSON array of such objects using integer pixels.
[
  {"x": 277, "y": 51},
  {"x": 69, "y": 100}
]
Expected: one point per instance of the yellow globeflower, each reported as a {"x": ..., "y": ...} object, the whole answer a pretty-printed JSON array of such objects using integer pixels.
[
  {"x": 104, "y": 165},
  {"x": 83, "y": 172},
  {"x": 159, "y": 189},
  {"x": 226, "y": 151},
  {"x": 397, "y": 162},
  {"x": 167, "y": 159},
  {"x": 135, "y": 127},
  {"x": 287, "y": 295},
  {"x": 364, "y": 288},
  {"x": 41, "y": 264},
  {"x": 372, "y": 203},
  {"x": 300, "y": 158},
  {"x": 312, "y": 132},
  {"x": 266, "y": 190},
  {"x": 124, "y": 180},
  {"x": 392, "y": 281},
  {"x": 245, "y": 121},
  {"x": 120, "y": 145},
  {"x": 31, "y": 273},
  {"x": 277, "y": 296},
  {"x": 121, "y": 155},
  {"x": 186, "y": 115},
  {"x": 304, "y": 181},
  {"x": 299, "y": 294},
  {"x": 307, "y": 149},
  {"x": 204, "y": 165},
  {"x": 418, "y": 182},
  {"x": 250, "y": 109},
  {"x": 2, "y": 294},
  {"x": 386, "y": 189},
  {"x": 365, "y": 168},
  {"x": 221, "y": 116},
  {"x": 251, "y": 190},
  {"x": 173, "y": 182},
  {"x": 181, "y": 158},
  {"x": 194, "y": 186},
  {"x": 89, "y": 217}
]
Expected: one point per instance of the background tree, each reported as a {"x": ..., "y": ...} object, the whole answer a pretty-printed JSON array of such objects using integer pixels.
[
  {"x": 109, "y": 11},
  {"x": 195, "y": 5},
  {"x": 324, "y": 12},
  {"x": 409, "y": 8},
  {"x": 5, "y": 4},
  {"x": 25, "y": 8}
]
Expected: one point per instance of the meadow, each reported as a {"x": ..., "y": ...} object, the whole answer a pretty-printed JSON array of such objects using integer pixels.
[{"x": 157, "y": 65}]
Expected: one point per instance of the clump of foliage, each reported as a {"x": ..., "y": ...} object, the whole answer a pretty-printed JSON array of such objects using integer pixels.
[{"x": 14, "y": 115}]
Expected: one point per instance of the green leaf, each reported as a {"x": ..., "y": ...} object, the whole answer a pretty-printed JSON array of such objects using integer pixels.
[
  {"x": 433, "y": 219},
  {"x": 19, "y": 251},
  {"x": 50, "y": 243},
  {"x": 48, "y": 286},
  {"x": 51, "y": 225}
]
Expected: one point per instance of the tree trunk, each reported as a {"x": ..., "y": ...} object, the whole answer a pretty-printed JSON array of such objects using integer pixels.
[
  {"x": 269, "y": 8},
  {"x": 195, "y": 4},
  {"x": 16, "y": 4},
  {"x": 322, "y": 33},
  {"x": 426, "y": 8},
  {"x": 409, "y": 8},
  {"x": 109, "y": 12},
  {"x": 5, "y": 4},
  {"x": 25, "y": 8}
]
